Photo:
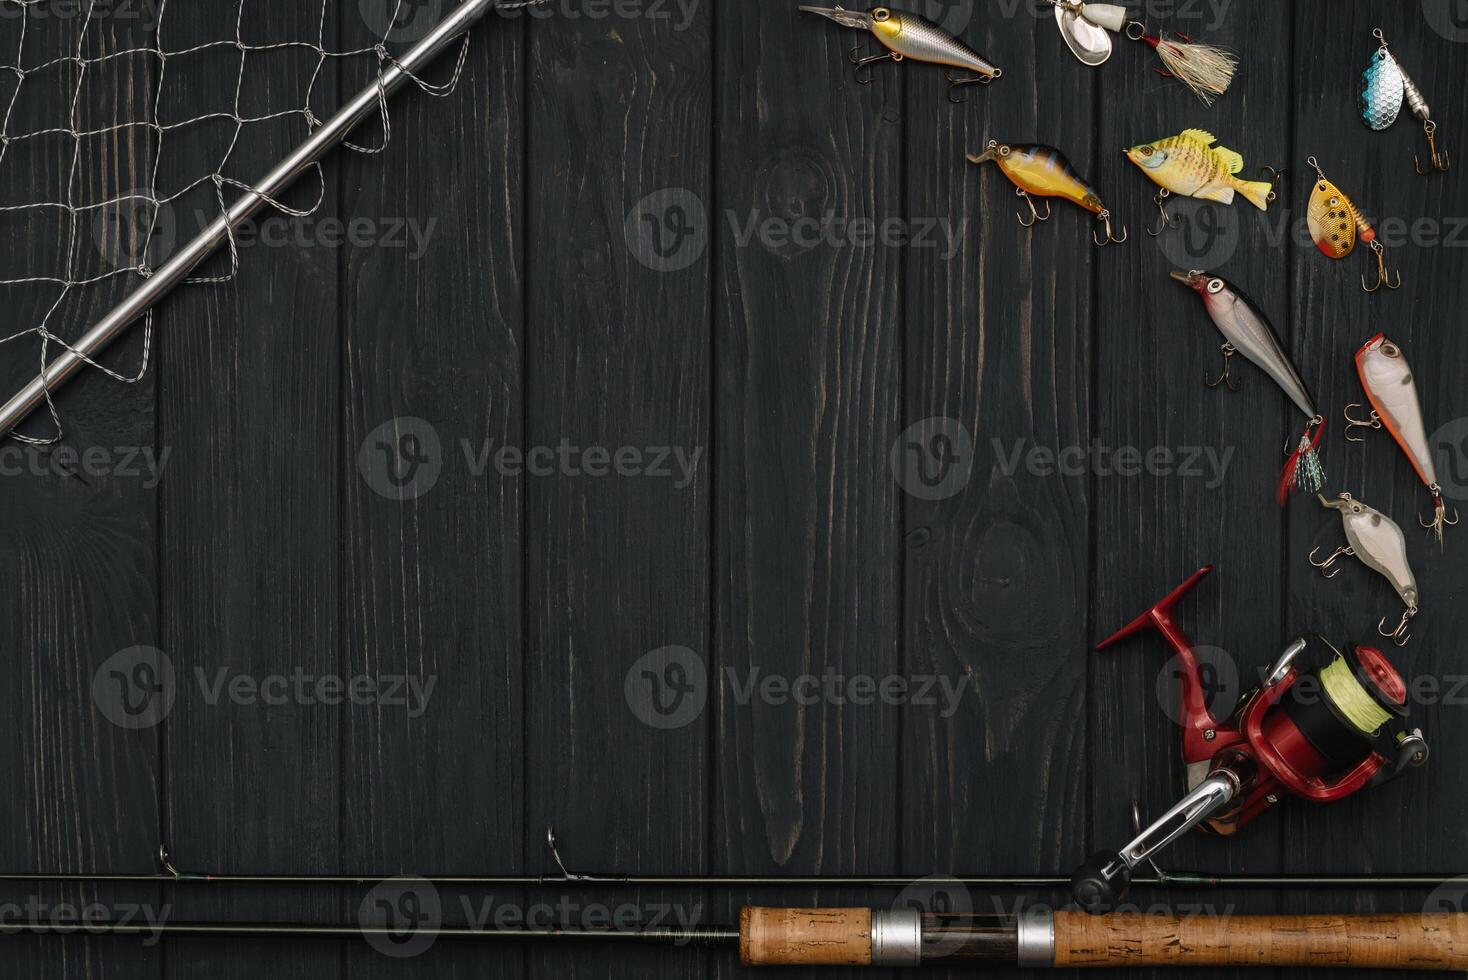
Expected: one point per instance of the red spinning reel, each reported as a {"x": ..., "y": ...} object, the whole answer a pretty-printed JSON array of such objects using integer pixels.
[{"x": 1322, "y": 725}]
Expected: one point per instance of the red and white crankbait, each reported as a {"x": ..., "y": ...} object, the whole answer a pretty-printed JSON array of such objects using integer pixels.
[{"x": 1392, "y": 391}]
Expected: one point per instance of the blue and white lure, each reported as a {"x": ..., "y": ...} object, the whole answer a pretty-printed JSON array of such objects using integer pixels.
[{"x": 1384, "y": 86}]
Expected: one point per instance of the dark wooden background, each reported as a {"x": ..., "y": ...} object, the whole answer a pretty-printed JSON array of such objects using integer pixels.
[{"x": 530, "y": 319}]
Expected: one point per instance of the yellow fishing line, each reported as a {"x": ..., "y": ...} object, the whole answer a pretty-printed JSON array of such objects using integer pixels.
[{"x": 1353, "y": 700}]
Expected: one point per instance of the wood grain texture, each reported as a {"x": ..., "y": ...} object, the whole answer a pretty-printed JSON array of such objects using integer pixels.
[
  {"x": 807, "y": 520},
  {"x": 999, "y": 339},
  {"x": 618, "y": 348},
  {"x": 78, "y": 562},
  {"x": 553, "y": 304},
  {"x": 432, "y": 584},
  {"x": 1395, "y": 942},
  {"x": 250, "y": 400}
]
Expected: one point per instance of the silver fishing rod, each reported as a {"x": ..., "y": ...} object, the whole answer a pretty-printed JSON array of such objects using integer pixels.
[{"x": 332, "y": 133}]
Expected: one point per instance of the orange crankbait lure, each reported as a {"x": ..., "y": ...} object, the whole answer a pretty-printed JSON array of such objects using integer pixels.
[
  {"x": 1335, "y": 225},
  {"x": 1037, "y": 170}
]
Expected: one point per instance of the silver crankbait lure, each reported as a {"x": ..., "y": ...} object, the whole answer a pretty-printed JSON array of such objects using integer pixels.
[
  {"x": 1392, "y": 391},
  {"x": 1384, "y": 86},
  {"x": 1248, "y": 331},
  {"x": 1376, "y": 540},
  {"x": 906, "y": 35}
]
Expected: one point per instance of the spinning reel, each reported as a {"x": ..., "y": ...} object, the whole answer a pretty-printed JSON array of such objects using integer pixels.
[{"x": 1323, "y": 725}]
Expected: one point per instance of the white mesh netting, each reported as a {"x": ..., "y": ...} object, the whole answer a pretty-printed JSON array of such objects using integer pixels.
[{"x": 73, "y": 74}]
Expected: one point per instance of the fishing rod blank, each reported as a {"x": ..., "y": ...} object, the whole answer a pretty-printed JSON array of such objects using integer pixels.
[{"x": 865, "y": 937}]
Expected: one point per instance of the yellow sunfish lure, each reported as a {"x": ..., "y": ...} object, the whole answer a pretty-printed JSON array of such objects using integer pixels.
[
  {"x": 1043, "y": 171},
  {"x": 1192, "y": 165}
]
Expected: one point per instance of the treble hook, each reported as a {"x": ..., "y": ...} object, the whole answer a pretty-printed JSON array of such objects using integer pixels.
[
  {"x": 1228, "y": 351},
  {"x": 1167, "y": 220},
  {"x": 1274, "y": 176},
  {"x": 1035, "y": 215},
  {"x": 1354, "y": 423},
  {"x": 955, "y": 82},
  {"x": 855, "y": 58},
  {"x": 1440, "y": 517},
  {"x": 166, "y": 864},
  {"x": 1341, "y": 552},
  {"x": 1399, "y": 636},
  {"x": 1105, "y": 217},
  {"x": 1438, "y": 162},
  {"x": 1382, "y": 278}
]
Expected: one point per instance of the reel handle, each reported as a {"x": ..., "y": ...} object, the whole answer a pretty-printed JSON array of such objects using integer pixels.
[{"x": 1101, "y": 883}]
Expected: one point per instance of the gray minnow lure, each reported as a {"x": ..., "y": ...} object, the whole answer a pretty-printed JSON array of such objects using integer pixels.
[
  {"x": 907, "y": 35},
  {"x": 1385, "y": 85},
  {"x": 1247, "y": 331},
  {"x": 1378, "y": 542}
]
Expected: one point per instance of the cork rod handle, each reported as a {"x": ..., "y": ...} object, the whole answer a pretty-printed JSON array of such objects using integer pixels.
[
  {"x": 1402, "y": 942},
  {"x": 805, "y": 937}
]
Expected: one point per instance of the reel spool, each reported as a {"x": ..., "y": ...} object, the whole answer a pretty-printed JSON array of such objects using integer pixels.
[{"x": 1325, "y": 724}]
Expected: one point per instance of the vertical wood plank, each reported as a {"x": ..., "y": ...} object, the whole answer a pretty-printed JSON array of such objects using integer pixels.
[
  {"x": 618, "y": 349},
  {"x": 1155, "y": 344},
  {"x": 1416, "y": 822},
  {"x": 251, "y": 400},
  {"x": 433, "y": 391},
  {"x": 77, "y": 545},
  {"x": 809, "y": 394},
  {"x": 999, "y": 344}
]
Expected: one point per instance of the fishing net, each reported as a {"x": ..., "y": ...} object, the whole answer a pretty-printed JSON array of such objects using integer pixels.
[{"x": 87, "y": 83}]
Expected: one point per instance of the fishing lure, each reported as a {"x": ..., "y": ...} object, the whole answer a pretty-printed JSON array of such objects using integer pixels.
[
  {"x": 1205, "y": 69},
  {"x": 1191, "y": 165},
  {"x": 1379, "y": 543},
  {"x": 1335, "y": 224},
  {"x": 907, "y": 35},
  {"x": 1043, "y": 171},
  {"x": 1390, "y": 387},
  {"x": 1248, "y": 331},
  {"x": 1384, "y": 84}
]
